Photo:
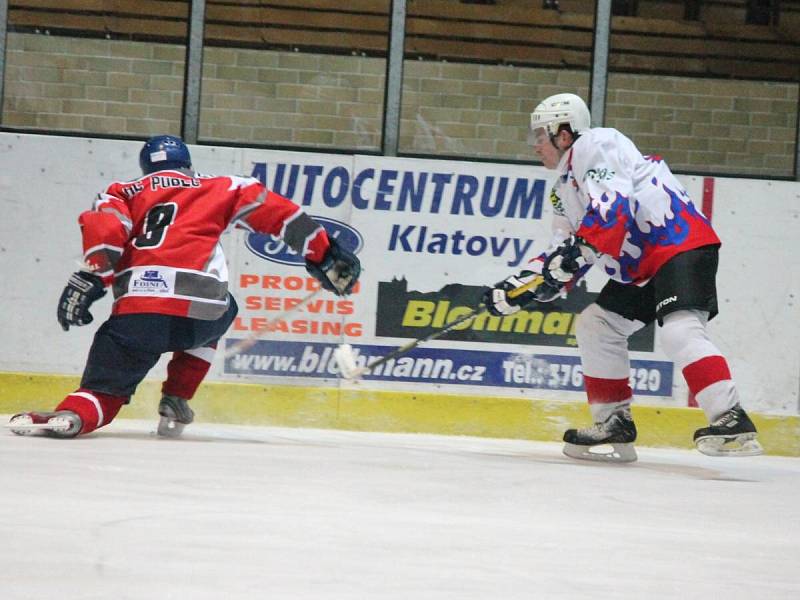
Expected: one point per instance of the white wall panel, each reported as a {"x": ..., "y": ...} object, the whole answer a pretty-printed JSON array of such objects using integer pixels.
[{"x": 45, "y": 182}]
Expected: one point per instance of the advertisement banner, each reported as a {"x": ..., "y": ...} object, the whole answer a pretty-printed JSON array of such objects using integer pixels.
[
  {"x": 431, "y": 235},
  {"x": 448, "y": 366},
  {"x": 408, "y": 314},
  {"x": 429, "y": 226}
]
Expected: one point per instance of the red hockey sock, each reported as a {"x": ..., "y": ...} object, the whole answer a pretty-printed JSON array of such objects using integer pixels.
[
  {"x": 702, "y": 373},
  {"x": 185, "y": 373},
  {"x": 606, "y": 391},
  {"x": 94, "y": 408}
]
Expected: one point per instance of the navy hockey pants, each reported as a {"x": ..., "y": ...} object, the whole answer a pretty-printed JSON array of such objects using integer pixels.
[{"x": 126, "y": 347}]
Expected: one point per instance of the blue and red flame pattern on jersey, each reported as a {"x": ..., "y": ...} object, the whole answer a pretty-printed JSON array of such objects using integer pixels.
[{"x": 629, "y": 207}]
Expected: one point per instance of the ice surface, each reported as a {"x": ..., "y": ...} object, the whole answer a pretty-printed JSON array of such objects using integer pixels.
[{"x": 247, "y": 513}]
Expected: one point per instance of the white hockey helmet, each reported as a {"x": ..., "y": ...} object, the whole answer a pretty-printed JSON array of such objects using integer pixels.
[{"x": 561, "y": 109}]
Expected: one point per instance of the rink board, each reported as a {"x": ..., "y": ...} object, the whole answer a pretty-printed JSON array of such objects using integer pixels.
[
  {"x": 432, "y": 235},
  {"x": 351, "y": 408}
]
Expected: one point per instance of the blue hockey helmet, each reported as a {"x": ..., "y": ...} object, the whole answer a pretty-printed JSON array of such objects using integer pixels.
[{"x": 164, "y": 152}]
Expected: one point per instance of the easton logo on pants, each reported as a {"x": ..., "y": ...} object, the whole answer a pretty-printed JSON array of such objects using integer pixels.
[{"x": 666, "y": 301}]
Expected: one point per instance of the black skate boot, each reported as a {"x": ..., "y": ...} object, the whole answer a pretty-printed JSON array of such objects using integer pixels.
[
  {"x": 175, "y": 415},
  {"x": 732, "y": 434},
  {"x": 59, "y": 424},
  {"x": 609, "y": 441}
]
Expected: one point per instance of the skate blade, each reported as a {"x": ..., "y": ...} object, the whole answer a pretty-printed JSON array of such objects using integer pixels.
[
  {"x": 618, "y": 453},
  {"x": 170, "y": 428},
  {"x": 740, "y": 445}
]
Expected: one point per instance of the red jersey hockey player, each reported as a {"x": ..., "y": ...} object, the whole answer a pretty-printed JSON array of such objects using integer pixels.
[
  {"x": 629, "y": 215},
  {"x": 155, "y": 241}
]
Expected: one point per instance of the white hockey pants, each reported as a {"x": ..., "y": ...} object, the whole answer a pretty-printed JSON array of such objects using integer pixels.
[{"x": 603, "y": 343}]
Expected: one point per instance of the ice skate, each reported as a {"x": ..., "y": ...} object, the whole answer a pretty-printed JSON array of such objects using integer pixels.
[
  {"x": 609, "y": 441},
  {"x": 59, "y": 424},
  {"x": 732, "y": 434},
  {"x": 175, "y": 415}
]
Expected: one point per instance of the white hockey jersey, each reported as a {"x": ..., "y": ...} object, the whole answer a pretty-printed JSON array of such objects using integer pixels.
[{"x": 630, "y": 207}]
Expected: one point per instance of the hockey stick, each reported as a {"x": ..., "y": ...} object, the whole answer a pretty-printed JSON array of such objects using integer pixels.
[
  {"x": 347, "y": 362},
  {"x": 250, "y": 341}
]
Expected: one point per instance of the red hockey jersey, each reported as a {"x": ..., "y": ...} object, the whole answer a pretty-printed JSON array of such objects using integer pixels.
[{"x": 156, "y": 239}]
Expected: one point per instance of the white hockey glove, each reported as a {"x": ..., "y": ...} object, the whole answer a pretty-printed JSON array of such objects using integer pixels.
[
  {"x": 567, "y": 261},
  {"x": 339, "y": 270},
  {"x": 80, "y": 293},
  {"x": 500, "y": 304}
]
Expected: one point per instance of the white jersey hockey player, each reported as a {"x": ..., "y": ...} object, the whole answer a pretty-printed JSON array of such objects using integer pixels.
[{"x": 628, "y": 215}]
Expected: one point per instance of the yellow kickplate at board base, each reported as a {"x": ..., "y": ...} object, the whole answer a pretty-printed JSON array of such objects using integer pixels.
[{"x": 395, "y": 411}]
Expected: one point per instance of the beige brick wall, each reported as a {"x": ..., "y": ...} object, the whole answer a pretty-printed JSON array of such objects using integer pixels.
[
  {"x": 287, "y": 98},
  {"x": 96, "y": 86},
  {"x": 737, "y": 127},
  {"x": 475, "y": 110},
  {"x": 325, "y": 101}
]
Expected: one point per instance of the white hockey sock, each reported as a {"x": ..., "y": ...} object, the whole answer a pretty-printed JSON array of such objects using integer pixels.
[
  {"x": 685, "y": 340},
  {"x": 602, "y": 410}
]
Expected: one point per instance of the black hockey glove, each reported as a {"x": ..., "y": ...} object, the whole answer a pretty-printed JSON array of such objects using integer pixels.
[
  {"x": 567, "y": 261},
  {"x": 81, "y": 291},
  {"x": 500, "y": 304},
  {"x": 547, "y": 292},
  {"x": 339, "y": 270}
]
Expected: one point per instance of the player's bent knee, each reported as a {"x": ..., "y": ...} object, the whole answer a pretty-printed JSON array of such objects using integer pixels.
[
  {"x": 592, "y": 325},
  {"x": 679, "y": 329},
  {"x": 672, "y": 341}
]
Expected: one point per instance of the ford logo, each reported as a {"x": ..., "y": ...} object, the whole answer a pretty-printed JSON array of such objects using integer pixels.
[{"x": 274, "y": 249}]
